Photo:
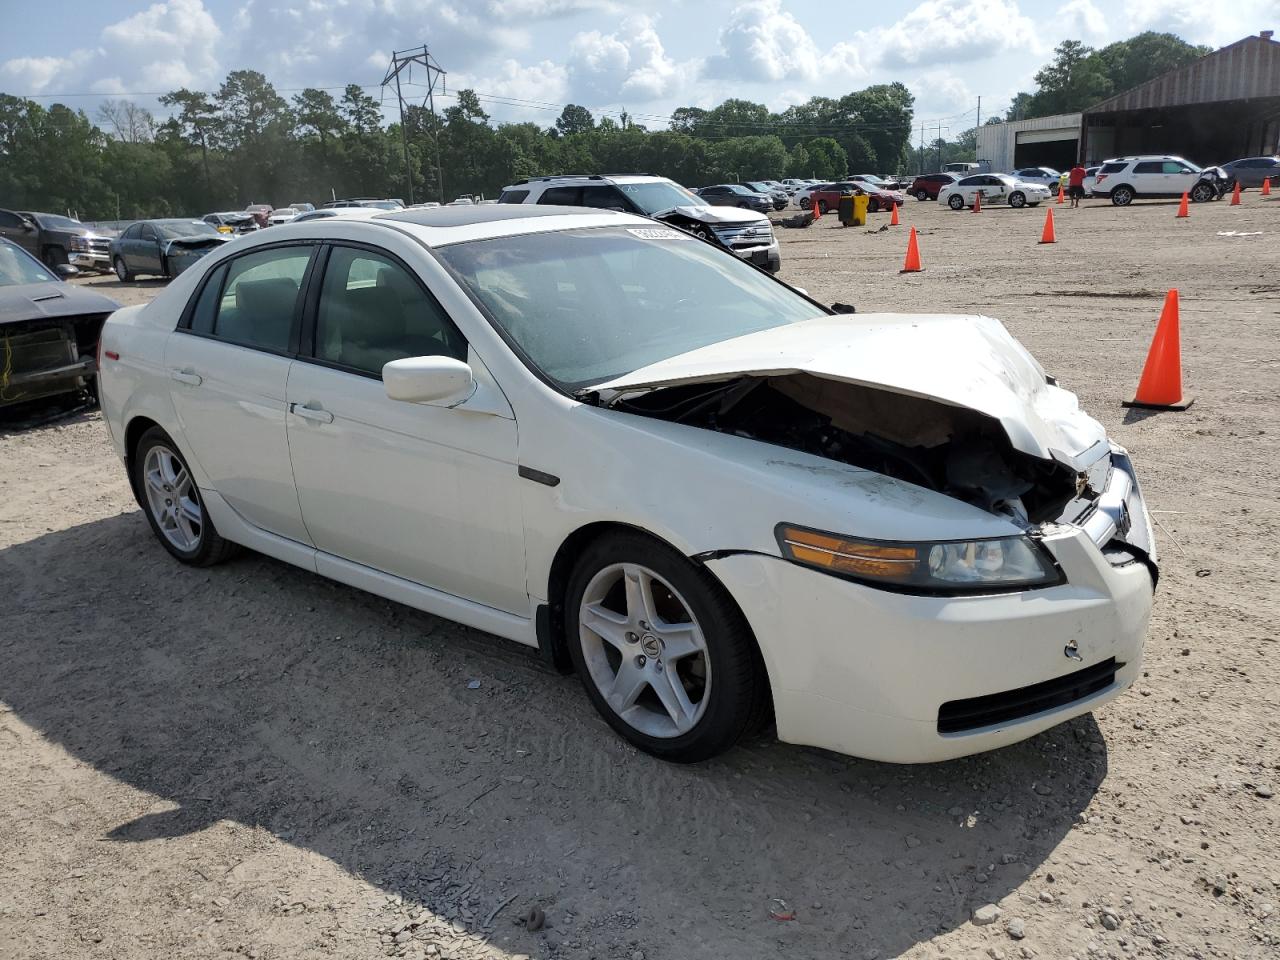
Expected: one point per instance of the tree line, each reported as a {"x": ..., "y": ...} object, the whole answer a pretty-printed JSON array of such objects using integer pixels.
[{"x": 246, "y": 143}]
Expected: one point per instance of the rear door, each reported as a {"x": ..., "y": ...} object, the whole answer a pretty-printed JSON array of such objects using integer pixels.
[
  {"x": 229, "y": 364},
  {"x": 425, "y": 493},
  {"x": 145, "y": 251},
  {"x": 1149, "y": 178}
]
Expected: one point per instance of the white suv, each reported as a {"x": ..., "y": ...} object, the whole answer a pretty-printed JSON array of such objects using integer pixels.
[
  {"x": 1125, "y": 178},
  {"x": 746, "y": 233}
]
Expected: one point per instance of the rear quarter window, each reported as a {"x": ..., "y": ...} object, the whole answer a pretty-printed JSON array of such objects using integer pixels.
[
  {"x": 1113, "y": 167},
  {"x": 513, "y": 196}
]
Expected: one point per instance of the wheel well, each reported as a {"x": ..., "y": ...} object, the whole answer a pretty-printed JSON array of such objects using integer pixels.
[
  {"x": 550, "y": 618},
  {"x": 132, "y": 434}
]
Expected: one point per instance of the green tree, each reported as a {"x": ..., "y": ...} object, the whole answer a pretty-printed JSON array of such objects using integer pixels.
[
  {"x": 827, "y": 159},
  {"x": 197, "y": 121},
  {"x": 1074, "y": 80},
  {"x": 1128, "y": 63},
  {"x": 575, "y": 119}
]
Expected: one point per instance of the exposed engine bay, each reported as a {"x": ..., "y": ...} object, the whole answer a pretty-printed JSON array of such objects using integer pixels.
[{"x": 953, "y": 450}]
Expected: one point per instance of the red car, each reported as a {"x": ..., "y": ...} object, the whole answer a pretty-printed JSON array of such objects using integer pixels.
[
  {"x": 927, "y": 186},
  {"x": 827, "y": 197}
]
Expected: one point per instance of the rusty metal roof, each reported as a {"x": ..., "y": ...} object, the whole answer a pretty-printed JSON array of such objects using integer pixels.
[{"x": 1245, "y": 69}]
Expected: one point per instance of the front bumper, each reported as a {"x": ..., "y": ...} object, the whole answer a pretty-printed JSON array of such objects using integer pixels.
[{"x": 867, "y": 672}]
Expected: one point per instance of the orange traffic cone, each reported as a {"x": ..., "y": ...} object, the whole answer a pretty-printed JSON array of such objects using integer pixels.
[
  {"x": 912, "y": 263},
  {"x": 1161, "y": 385},
  {"x": 1048, "y": 235},
  {"x": 1235, "y": 195},
  {"x": 1183, "y": 210},
  {"x": 893, "y": 222},
  {"x": 817, "y": 214},
  {"x": 1266, "y": 187},
  {"x": 977, "y": 202},
  {"x": 1062, "y": 197}
]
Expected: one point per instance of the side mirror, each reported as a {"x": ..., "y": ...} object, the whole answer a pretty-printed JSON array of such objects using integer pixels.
[
  {"x": 66, "y": 270},
  {"x": 28, "y": 226},
  {"x": 439, "y": 380}
]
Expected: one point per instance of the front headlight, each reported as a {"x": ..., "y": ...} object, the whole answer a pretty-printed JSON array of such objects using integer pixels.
[
  {"x": 942, "y": 567},
  {"x": 79, "y": 243}
]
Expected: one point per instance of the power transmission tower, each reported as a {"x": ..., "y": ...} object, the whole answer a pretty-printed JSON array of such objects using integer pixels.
[{"x": 403, "y": 61}]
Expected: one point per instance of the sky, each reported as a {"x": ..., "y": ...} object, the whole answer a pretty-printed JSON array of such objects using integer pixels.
[{"x": 529, "y": 57}]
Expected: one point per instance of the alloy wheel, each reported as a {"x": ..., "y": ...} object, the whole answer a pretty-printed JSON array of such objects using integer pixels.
[
  {"x": 644, "y": 650},
  {"x": 172, "y": 498}
]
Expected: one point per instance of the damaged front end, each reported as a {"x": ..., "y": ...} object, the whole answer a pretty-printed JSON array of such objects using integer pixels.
[
  {"x": 47, "y": 357},
  {"x": 184, "y": 252},
  {"x": 950, "y": 404}
]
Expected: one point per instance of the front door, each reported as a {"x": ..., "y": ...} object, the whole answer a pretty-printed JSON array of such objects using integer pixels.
[
  {"x": 228, "y": 374},
  {"x": 422, "y": 492}
]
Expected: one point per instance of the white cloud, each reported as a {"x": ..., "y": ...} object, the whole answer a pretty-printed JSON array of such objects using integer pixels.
[
  {"x": 1228, "y": 23},
  {"x": 168, "y": 45},
  {"x": 940, "y": 32},
  {"x": 35, "y": 74},
  {"x": 942, "y": 92},
  {"x": 1082, "y": 18},
  {"x": 539, "y": 84},
  {"x": 630, "y": 63},
  {"x": 761, "y": 42},
  {"x": 549, "y": 9}
]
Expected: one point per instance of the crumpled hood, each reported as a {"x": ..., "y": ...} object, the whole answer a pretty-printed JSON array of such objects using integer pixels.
[
  {"x": 33, "y": 301},
  {"x": 963, "y": 361},
  {"x": 715, "y": 214},
  {"x": 190, "y": 243}
]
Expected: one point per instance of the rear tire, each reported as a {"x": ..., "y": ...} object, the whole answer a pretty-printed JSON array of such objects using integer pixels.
[
  {"x": 685, "y": 708},
  {"x": 922, "y": 196},
  {"x": 873, "y": 205},
  {"x": 822, "y": 207},
  {"x": 1122, "y": 196},
  {"x": 172, "y": 503}
]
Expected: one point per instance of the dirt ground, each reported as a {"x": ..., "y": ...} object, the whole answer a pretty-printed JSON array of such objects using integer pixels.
[{"x": 251, "y": 761}]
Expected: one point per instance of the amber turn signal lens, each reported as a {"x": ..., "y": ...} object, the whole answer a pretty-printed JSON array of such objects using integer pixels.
[{"x": 853, "y": 557}]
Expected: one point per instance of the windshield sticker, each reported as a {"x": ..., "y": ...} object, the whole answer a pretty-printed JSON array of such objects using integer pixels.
[{"x": 658, "y": 233}]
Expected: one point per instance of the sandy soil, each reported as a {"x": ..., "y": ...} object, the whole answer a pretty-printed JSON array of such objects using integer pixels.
[{"x": 251, "y": 761}]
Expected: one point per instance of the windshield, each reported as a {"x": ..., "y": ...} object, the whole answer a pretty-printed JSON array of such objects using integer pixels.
[
  {"x": 16, "y": 267},
  {"x": 656, "y": 196},
  {"x": 52, "y": 221},
  {"x": 585, "y": 306},
  {"x": 173, "y": 229}
]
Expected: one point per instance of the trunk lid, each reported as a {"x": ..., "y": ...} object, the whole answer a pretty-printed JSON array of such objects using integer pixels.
[{"x": 970, "y": 362}]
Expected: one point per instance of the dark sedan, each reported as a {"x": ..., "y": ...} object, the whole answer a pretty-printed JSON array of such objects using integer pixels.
[
  {"x": 162, "y": 248},
  {"x": 735, "y": 195},
  {"x": 1251, "y": 171},
  {"x": 49, "y": 328}
]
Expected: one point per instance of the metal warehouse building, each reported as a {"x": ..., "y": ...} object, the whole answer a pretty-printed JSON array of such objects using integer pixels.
[
  {"x": 1042, "y": 142},
  {"x": 1222, "y": 106}
]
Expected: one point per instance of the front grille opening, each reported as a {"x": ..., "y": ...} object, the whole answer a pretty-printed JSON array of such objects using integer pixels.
[{"x": 958, "y": 716}]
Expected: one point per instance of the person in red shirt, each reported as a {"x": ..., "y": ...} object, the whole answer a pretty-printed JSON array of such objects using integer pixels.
[{"x": 1075, "y": 180}]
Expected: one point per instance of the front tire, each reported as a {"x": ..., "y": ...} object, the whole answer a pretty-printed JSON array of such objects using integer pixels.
[
  {"x": 1122, "y": 196},
  {"x": 172, "y": 502},
  {"x": 1203, "y": 193},
  {"x": 122, "y": 272},
  {"x": 1017, "y": 199},
  {"x": 54, "y": 257},
  {"x": 955, "y": 202},
  {"x": 663, "y": 652}
]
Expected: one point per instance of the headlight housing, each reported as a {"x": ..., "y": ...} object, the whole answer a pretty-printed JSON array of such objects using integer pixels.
[
  {"x": 79, "y": 243},
  {"x": 934, "y": 568}
]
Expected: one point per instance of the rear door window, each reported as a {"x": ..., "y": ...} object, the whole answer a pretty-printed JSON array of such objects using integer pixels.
[
  {"x": 563, "y": 196},
  {"x": 1150, "y": 166},
  {"x": 260, "y": 298}
]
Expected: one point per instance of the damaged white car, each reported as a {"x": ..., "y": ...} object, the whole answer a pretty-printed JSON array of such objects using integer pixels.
[{"x": 715, "y": 499}]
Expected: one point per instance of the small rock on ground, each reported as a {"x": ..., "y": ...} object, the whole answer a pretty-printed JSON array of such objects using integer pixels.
[{"x": 988, "y": 913}]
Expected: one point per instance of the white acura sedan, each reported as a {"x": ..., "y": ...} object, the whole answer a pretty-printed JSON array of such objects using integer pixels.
[
  {"x": 712, "y": 497},
  {"x": 994, "y": 188}
]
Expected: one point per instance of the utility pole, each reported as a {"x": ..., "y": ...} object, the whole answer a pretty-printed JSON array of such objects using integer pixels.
[
  {"x": 938, "y": 140},
  {"x": 978, "y": 122},
  {"x": 402, "y": 60},
  {"x": 922, "y": 148}
]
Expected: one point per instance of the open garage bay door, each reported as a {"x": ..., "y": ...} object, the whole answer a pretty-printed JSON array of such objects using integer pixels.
[{"x": 1056, "y": 148}]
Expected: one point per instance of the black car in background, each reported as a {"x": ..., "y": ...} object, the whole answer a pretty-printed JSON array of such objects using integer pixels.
[
  {"x": 49, "y": 329},
  {"x": 162, "y": 248},
  {"x": 777, "y": 196},
  {"x": 1251, "y": 171},
  {"x": 54, "y": 239},
  {"x": 735, "y": 195}
]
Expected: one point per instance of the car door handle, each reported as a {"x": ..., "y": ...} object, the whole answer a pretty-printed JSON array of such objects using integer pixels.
[
  {"x": 311, "y": 413},
  {"x": 187, "y": 376}
]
